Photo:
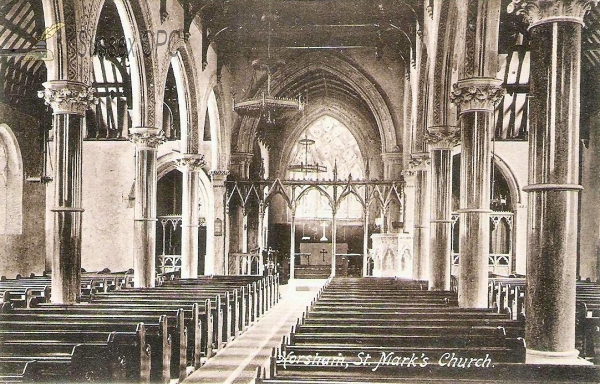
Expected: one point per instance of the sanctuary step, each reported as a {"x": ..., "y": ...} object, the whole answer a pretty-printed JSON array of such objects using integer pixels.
[{"x": 312, "y": 271}]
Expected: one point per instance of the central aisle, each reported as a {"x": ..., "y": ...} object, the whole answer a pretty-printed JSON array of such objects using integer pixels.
[{"x": 238, "y": 361}]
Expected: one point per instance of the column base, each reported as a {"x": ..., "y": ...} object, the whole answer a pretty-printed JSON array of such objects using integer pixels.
[{"x": 557, "y": 358}]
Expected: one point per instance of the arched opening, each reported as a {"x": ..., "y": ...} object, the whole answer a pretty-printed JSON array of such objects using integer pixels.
[
  {"x": 111, "y": 77},
  {"x": 168, "y": 229},
  {"x": 501, "y": 220},
  {"x": 11, "y": 183},
  {"x": 172, "y": 116}
]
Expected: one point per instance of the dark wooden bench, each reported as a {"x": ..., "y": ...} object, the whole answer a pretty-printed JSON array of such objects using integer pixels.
[
  {"x": 75, "y": 355},
  {"x": 156, "y": 332}
]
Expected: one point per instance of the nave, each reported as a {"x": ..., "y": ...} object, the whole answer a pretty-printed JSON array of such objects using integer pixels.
[
  {"x": 233, "y": 329},
  {"x": 253, "y": 143}
]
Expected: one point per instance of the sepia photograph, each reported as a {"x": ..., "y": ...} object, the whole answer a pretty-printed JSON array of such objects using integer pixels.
[{"x": 300, "y": 191}]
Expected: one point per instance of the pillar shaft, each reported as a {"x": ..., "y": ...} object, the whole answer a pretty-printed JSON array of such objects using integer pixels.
[
  {"x": 365, "y": 242},
  {"x": 69, "y": 100},
  {"x": 476, "y": 98},
  {"x": 553, "y": 187},
  {"x": 333, "y": 243},
  {"x": 292, "y": 246},
  {"x": 216, "y": 263},
  {"x": 441, "y": 140},
  {"x": 146, "y": 142},
  {"x": 261, "y": 237},
  {"x": 190, "y": 165},
  {"x": 420, "y": 165}
]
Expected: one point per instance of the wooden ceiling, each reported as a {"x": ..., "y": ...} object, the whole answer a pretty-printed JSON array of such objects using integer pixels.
[{"x": 21, "y": 71}]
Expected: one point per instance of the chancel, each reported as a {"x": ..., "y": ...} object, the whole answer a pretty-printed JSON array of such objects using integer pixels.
[{"x": 270, "y": 191}]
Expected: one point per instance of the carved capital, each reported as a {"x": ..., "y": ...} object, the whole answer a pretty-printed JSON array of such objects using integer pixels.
[
  {"x": 241, "y": 158},
  {"x": 218, "y": 176},
  {"x": 442, "y": 137},
  {"x": 536, "y": 12},
  {"x": 392, "y": 157},
  {"x": 68, "y": 96},
  {"x": 477, "y": 94},
  {"x": 419, "y": 162},
  {"x": 190, "y": 162},
  {"x": 146, "y": 138}
]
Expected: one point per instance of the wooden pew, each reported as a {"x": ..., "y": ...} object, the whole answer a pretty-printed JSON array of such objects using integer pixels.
[
  {"x": 156, "y": 332},
  {"x": 75, "y": 356}
]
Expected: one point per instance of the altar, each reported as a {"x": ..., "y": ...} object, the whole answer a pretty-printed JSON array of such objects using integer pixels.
[{"x": 319, "y": 253}]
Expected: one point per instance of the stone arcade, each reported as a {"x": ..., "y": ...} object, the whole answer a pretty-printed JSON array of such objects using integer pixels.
[{"x": 441, "y": 141}]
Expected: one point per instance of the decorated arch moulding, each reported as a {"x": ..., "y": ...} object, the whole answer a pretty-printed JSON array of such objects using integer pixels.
[
  {"x": 345, "y": 71},
  {"x": 337, "y": 112},
  {"x": 442, "y": 137},
  {"x": 188, "y": 74},
  {"x": 477, "y": 94},
  {"x": 536, "y": 12}
]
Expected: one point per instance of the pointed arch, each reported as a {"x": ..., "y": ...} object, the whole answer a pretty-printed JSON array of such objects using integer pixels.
[
  {"x": 11, "y": 183},
  {"x": 509, "y": 176}
]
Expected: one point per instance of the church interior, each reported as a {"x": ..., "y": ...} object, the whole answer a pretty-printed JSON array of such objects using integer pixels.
[{"x": 413, "y": 180}]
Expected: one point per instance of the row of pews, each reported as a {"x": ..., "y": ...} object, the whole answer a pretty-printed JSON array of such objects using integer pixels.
[
  {"x": 507, "y": 295},
  {"x": 23, "y": 292},
  {"x": 390, "y": 330},
  {"x": 132, "y": 334}
]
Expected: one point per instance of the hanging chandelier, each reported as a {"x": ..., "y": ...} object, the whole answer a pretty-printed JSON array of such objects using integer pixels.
[
  {"x": 266, "y": 105},
  {"x": 304, "y": 166}
]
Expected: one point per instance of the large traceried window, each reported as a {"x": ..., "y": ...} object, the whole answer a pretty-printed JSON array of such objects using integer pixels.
[{"x": 334, "y": 148}]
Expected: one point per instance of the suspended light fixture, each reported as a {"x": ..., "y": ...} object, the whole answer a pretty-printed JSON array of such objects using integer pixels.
[
  {"x": 265, "y": 105},
  {"x": 304, "y": 166}
]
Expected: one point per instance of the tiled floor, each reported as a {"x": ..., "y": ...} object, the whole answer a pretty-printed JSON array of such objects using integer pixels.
[{"x": 238, "y": 361}]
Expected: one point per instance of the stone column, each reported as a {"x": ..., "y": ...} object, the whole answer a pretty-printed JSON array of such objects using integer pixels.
[
  {"x": 365, "y": 240},
  {"x": 293, "y": 245},
  {"x": 333, "y": 241},
  {"x": 441, "y": 140},
  {"x": 69, "y": 101},
  {"x": 190, "y": 165},
  {"x": 215, "y": 263},
  {"x": 261, "y": 237},
  {"x": 146, "y": 142},
  {"x": 420, "y": 165},
  {"x": 476, "y": 99},
  {"x": 553, "y": 177}
]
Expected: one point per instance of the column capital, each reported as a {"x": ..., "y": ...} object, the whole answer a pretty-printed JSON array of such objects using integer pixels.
[
  {"x": 477, "y": 94},
  {"x": 68, "y": 97},
  {"x": 442, "y": 137},
  {"x": 218, "y": 176},
  {"x": 392, "y": 157},
  {"x": 536, "y": 12},
  {"x": 419, "y": 161},
  {"x": 146, "y": 137},
  {"x": 190, "y": 162}
]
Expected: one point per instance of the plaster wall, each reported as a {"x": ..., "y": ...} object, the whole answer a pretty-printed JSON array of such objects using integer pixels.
[
  {"x": 589, "y": 231},
  {"x": 107, "y": 232}
]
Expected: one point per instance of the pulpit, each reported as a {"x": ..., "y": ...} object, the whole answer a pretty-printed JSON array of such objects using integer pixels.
[{"x": 385, "y": 255}]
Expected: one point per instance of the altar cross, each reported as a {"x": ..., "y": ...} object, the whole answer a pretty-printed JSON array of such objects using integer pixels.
[{"x": 323, "y": 252}]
